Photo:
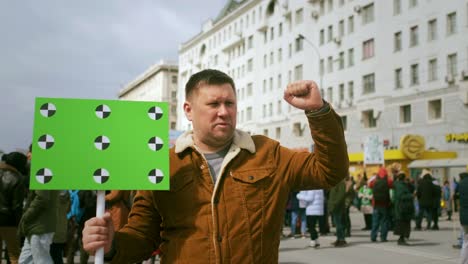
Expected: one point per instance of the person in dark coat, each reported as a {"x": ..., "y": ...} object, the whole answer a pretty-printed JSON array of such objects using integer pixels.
[
  {"x": 11, "y": 201},
  {"x": 336, "y": 204},
  {"x": 464, "y": 215},
  {"x": 436, "y": 205},
  {"x": 425, "y": 194},
  {"x": 403, "y": 208}
]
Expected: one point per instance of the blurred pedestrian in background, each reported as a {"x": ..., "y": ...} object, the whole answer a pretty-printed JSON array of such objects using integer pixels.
[
  {"x": 314, "y": 210},
  {"x": 403, "y": 208},
  {"x": 11, "y": 201}
]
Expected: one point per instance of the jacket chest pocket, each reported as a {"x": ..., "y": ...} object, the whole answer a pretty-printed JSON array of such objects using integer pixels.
[{"x": 252, "y": 186}]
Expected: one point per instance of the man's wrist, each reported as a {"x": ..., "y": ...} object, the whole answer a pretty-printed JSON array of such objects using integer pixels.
[{"x": 317, "y": 112}]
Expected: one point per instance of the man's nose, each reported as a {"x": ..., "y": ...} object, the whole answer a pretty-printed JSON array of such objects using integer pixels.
[{"x": 222, "y": 110}]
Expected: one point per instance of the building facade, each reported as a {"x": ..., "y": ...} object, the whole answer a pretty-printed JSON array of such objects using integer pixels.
[
  {"x": 158, "y": 83},
  {"x": 389, "y": 68}
]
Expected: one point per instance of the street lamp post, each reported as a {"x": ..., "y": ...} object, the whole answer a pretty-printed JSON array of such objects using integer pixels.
[{"x": 300, "y": 36}]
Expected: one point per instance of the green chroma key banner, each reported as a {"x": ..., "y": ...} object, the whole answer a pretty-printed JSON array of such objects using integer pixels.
[{"x": 100, "y": 145}]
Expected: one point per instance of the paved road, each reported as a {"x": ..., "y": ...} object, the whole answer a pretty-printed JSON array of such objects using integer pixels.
[{"x": 426, "y": 247}]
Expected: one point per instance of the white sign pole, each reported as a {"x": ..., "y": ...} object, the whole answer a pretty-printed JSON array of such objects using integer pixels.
[{"x": 100, "y": 208}]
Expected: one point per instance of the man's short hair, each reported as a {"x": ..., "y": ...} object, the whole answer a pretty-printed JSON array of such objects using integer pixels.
[{"x": 207, "y": 77}]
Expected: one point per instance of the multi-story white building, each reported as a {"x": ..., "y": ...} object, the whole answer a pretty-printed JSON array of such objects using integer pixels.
[
  {"x": 158, "y": 83},
  {"x": 388, "y": 67}
]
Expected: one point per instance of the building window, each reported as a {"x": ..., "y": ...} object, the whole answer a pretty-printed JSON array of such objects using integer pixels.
[
  {"x": 368, "y": 83},
  {"x": 351, "y": 90},
  {"x": 350, "y": 57},
  {"x": 271, "y": 83},
  {"x": 322, "y": 36},
  {"x": 330, "y": 64},
  {"x": 398, "y": 79},
  {"x": 368, "y": 49},
  {"x": 174, "y": 79},
  {"x": 249, "y": 113},
  {"x": 250, "y": 42},
  {"x": 264, "y": 86},
  {"x": 264, "y": 110},
  {"x": 414, "y": 78},
  {"x": 270, "y": 109},
  {"x": 397, "y": 41},
  {"x": 272, "y": 33},
  {"x": 341, "y": 60},
  {"x": 322, "y": 7},
  {"x": 299, "y": 44},
  {"x": 271, "y": 58},
  {"x": 280, "y": 29},
  {"x": 432, "y": 30},
  {"x": 435, "y": 109},
  {"x": 330, "y": 33},
  {"x": 298, "y": 72},
  {"x": 414, "y": 36},
  {"x": 250, "y": 65},
  {"x": 330, "y": 94},
  {"x": 341, "y": 28},
  {"x": 341, "y": 92},
  {"x": 280, "y": 84},
  {"x": 451, "y": 23},
  {"x": 297, "y": 130},
  {"x": 368, "y": 14},
  {"x": 413, "y": 3},
  {"x": 344, "y": 121},
  {"x": 265, "y": 132},
  {"x": 265, "y": 60},
  {"x": 322, "y": 67},
  {"x": 290, "y": 50},
  {"x": 280, "y": 54},
  {"x": 249, "y": 89},
  {"x": 278, "y": 133},
  {"x": 405, "y": 114},
  {"x": 299, "y": 16},
  {"x": 396, "y": 7},
  {"x": 432, "y": 70},
  {"x": 330, "y": 5},
  {"x": 350, "y": 24},
  {"x": 368, "y": 119},
  {"x": 279, "y": 106},
  {"x": 452, "y": 64}
]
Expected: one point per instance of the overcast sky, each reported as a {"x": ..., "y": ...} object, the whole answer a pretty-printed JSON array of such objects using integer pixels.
[{"x": 84, "y": 49}]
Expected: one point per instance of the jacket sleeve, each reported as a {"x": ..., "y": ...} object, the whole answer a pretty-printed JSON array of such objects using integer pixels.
[
  {"x": 39, "y": 203},
  {"x": 17, "y": 202},
  {"x": 138, "y": 239},
  {"x": 329, "y": 162}
]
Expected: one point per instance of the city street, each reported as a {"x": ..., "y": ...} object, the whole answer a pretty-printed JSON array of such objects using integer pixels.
[{"x": 426, "y": 247}]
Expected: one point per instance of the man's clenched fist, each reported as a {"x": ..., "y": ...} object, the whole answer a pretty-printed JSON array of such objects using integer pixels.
[{"x": 304, "y": 95}]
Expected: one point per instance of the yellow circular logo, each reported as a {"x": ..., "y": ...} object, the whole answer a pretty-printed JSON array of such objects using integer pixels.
[{"x": 412, "y": 146}]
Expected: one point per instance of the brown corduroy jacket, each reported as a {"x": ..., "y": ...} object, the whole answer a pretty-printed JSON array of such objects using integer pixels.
[{"x": 238, "y": 219}]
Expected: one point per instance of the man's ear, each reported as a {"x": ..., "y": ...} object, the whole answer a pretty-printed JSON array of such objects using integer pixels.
[{"x": 188, "y": 110}]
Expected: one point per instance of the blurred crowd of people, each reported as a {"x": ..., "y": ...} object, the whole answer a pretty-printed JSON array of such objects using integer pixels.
[
  {"x": 39, "y": 226},
  {"x": 389, "y": 200}
]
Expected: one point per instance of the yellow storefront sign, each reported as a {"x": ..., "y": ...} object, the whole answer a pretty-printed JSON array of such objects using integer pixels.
[{"x": 461, "y": 137}]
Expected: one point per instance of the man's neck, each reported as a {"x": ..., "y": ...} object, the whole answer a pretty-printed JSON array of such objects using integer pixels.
[{"x": 206, "y": 149}]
